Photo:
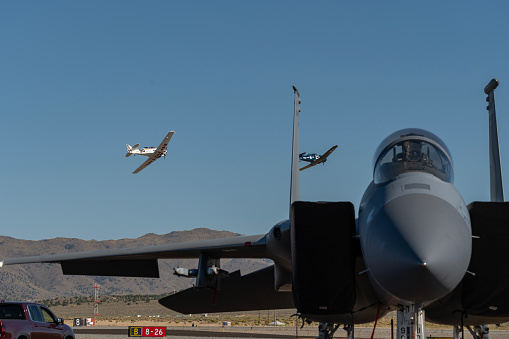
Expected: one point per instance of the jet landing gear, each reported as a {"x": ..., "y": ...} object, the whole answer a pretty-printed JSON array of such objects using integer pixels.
[
  {"x": 349, "y": 331},
  {"x": 478, "y": 332},
  {"x": 411, "y": 322},
  {"x": 326, "y": 331}
]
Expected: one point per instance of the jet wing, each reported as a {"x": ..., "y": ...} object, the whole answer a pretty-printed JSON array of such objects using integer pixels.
[
  {"x": 142, "y": 261},
  {"x": 322, "y": 158},
  {"x": 158, "y": 152}
]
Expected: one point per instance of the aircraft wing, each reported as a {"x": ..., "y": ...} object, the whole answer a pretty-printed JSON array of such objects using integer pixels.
[
  {"x": 142, "y": 261},
  {"x": 158, "y": 152},
  {"x": 322, "y": 158},
  {"x": 310, "y": 165}
]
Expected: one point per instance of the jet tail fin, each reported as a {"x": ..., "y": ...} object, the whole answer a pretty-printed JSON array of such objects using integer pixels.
[
  {"x": 295, "y": 182},
  {"x": 496, "y": 184}
]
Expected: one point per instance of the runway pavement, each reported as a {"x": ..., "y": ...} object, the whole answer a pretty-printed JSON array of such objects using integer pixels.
[
  {"x": 261, "y": 332},
  {"x": 187, "y": 333}
]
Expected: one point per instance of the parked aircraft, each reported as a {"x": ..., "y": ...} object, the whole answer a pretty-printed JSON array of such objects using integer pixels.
[
  {"x": 409, "y": 249},
  {"x": 315, "y": 159},
  {"x": 151, "y": 152}
]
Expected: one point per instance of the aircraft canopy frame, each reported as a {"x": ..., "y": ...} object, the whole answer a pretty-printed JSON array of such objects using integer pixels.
[{"x": 412, "y": 150}]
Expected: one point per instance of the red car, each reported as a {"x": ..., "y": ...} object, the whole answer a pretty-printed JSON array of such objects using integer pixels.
[{"x": 25, "y": 320}]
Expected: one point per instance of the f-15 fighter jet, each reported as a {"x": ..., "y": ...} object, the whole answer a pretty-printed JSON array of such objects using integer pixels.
[{"x": 413, "y": 247}]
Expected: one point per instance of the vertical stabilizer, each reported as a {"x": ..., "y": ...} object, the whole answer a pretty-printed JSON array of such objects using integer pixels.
[
  {"x": 295, "y": 183},
  {"x": 129, "y": 149},
  {"x": 496, "y": 184}
]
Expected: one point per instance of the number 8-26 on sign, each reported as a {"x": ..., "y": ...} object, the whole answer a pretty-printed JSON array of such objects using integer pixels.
[{"x": 147, "y": 331}]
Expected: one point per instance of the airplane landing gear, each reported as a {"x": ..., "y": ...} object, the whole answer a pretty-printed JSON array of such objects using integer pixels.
[
  {"x": 349, "y": 331},
  {"x": 326, "y": 331},
  {"x": 411, "y": 322},
  {"x": 479, "y": 331},
  {"x": 457, "y": 332}
]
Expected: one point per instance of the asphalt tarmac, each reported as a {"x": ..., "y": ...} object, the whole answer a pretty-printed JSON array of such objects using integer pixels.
[
  {"x": 276, "y": 333},
  {"x": 123, "y": 332}
]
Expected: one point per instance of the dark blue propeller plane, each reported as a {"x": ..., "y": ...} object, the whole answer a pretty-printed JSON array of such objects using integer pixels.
[
  {"x": 414, "y": 247},
  {"x": 315, "y": 159}
]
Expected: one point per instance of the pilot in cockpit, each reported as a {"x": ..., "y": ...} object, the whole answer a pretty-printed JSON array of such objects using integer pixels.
[
  {"x": 412, "y": 151},
  {"x": 419, "y": 154}
]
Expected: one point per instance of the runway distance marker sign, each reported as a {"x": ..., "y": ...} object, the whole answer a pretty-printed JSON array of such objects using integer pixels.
[{"x": 147, "y": 331}]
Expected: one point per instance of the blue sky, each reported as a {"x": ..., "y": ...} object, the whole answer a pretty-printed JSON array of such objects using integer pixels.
[{"x": 79, "y": 80}]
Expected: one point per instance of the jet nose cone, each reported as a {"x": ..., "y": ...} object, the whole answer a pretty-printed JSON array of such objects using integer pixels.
[{"x": 418, "y": 248}]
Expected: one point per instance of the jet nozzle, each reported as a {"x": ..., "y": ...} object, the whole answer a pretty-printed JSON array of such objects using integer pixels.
[{"x": 491, "y": 86}]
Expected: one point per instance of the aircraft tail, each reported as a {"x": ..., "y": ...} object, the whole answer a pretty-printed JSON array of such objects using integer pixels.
[
  {"x": 130, "y": 149},
  {"x": 496, "y": 185},
  {"x": 295, "y": 182}
]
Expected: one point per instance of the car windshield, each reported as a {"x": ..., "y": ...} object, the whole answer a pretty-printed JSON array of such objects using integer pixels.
[{"x": 412, "y": 155}]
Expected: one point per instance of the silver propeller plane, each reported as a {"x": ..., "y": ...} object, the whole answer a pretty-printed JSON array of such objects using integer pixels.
[
  {"x": 414, "y": 247},
  {"x": 151, "y": 152}
]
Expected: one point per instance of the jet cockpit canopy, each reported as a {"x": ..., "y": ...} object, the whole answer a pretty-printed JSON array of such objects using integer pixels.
[{"x": 412, "y": 150}]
